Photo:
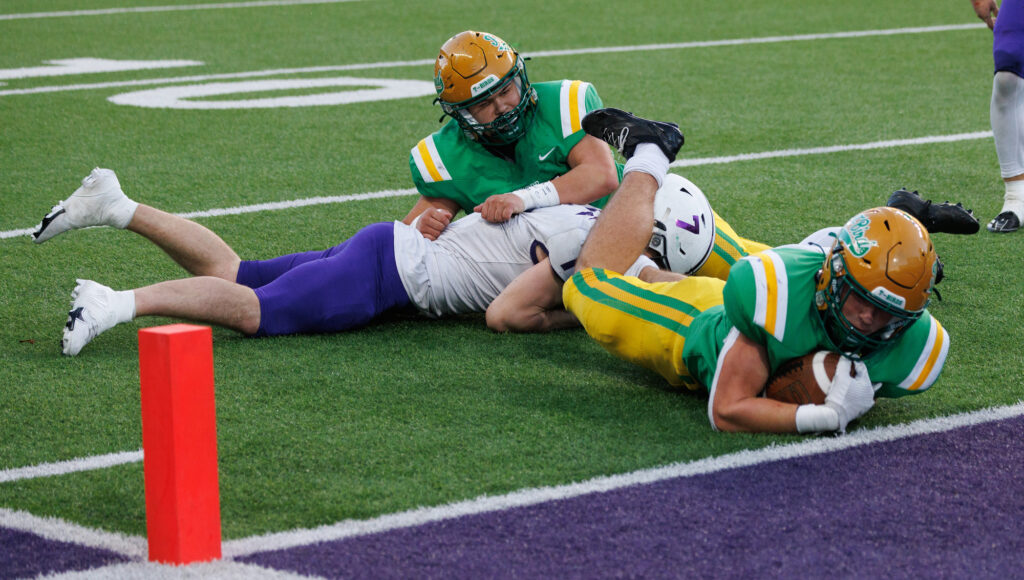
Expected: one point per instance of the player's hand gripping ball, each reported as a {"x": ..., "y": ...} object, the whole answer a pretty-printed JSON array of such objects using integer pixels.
[{"x": 803, "y": 380}]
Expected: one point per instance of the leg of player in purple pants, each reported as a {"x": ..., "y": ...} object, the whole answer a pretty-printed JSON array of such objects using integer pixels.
[{"x": 328, "y": 291}]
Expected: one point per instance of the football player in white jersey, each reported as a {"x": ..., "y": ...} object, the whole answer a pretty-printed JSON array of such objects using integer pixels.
[{"x": 385, "y": 266}]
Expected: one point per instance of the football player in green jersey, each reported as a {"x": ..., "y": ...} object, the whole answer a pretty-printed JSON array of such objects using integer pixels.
[
  {"x": 864, "y": 297},
  {"x": 510, "y": 145}
]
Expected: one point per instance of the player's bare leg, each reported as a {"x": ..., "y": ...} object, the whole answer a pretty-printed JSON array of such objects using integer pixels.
[
  {"x": 624, "y": 227},
  {"x": 194, "y": 247},
  {"x": 95, "y": 308},
  {"x": 101, "y": 202},
  {"x": 202, "y": 299}
]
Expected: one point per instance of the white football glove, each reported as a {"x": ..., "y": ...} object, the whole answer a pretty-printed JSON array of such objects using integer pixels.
[{"x": 850, "y": 396}]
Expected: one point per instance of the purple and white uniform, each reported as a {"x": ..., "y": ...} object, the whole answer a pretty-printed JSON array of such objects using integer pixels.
[
  {"x": 1008, "y": 38},
  {"x": 386, "y": 266},
  {"x": 466, "y": 268}
]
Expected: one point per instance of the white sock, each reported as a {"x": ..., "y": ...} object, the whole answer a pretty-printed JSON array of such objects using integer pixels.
[
  {"x": 648, "y": 158},
  {"x": 1014, "y": 199},
  {"x": 122, "y": 211}
]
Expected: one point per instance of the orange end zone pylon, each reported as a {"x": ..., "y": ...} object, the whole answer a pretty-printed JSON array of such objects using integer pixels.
[{"x": 179, "y": 441}]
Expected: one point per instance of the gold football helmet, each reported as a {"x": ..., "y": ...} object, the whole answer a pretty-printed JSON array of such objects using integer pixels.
[
  {"x": 886, "y": 257},
  {"x": 473, "y": 66}
]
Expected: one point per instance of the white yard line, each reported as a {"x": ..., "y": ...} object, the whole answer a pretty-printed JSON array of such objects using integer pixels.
[
  {"x": 70, "y": 466},
  {"x": 537, "y": 54},
  {"x": 834, "y": 149},
  {"x": 282, "y": 205},
  {"x": 217, "y": 6}
]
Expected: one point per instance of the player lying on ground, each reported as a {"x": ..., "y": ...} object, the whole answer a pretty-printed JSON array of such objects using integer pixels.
[
  {"x": 385, "y": 266},
  {"x": 866, "y": 299}
]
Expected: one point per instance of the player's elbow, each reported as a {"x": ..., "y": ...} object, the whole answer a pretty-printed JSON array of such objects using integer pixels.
[
  {"x": 726, "y": 417},
  {"x": 501, "y": 318},
  {"x": 608, "y": 180},
  {"x": 496, "y": 320}
]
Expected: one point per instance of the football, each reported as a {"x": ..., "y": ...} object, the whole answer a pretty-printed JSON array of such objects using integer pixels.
[{"x": 803, "y": 380}]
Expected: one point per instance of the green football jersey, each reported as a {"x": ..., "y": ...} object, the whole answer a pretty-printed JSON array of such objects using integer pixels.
[
  {"x": 450, "y": 165},
  {"x": 769, "y": 297}
]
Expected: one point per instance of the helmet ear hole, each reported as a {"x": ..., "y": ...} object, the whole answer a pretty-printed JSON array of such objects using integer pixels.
[{"x": 683, "y": 235}]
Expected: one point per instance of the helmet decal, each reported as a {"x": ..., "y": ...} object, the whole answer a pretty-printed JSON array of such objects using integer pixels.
[
  {"x": 483, "y": 86},
  {"x": 883, "y": 294},
  {"x": 854, "y": 234},
  {"x": 893, "y": 271}
]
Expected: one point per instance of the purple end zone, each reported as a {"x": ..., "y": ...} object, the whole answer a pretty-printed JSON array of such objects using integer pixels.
[
  {"x": 941, "y": 505},
  {"x": 26, "y": 555}
]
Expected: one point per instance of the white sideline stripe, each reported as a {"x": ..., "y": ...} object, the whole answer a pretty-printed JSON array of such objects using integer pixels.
[
  {"x": 833, "y": 149},
  {"x": 537, "y": 54},
  {"x": 135, "y": 547},
  {"x": 103, "y": 11},
  {"x": 70, "y": 466},
  {"x": 219, "y": 569},
  {"x": 64, "y": 531},
  {"x": 280, "y": 205},
  {"x": 527, "y": 497}
]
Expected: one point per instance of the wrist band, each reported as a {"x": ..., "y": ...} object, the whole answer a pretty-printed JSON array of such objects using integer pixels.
[
  {"x": 816, "y": 418},
  {"x": 538, "y": 195}
]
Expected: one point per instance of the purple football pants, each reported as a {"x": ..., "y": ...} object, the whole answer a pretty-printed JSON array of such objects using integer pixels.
[
  {"x": 1008, "y": 38},
  {"x": 331, "y": 290}
]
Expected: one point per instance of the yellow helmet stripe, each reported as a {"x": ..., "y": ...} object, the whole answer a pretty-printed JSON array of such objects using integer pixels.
[
  {"x": 772, "y": 287},
  {"x": 573, "y": 105},
  {"x": 429, "y": 162},
  {"x": 931, "y": 361}
]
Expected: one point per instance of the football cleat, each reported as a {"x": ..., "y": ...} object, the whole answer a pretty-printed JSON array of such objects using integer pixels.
[
  {"x": 937, "y": 218},
  {"x": 92, "y": 312},
  {"x": 624, "y": 131},
  {"x": 99, "y": 202},
  {"x": 1004, "y": 223}
]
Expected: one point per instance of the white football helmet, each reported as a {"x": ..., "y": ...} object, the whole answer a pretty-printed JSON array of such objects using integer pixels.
[{"x": 684, "y": 226}]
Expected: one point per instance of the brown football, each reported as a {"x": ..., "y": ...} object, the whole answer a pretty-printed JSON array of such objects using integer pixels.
[{"x": 804, "y": 379}]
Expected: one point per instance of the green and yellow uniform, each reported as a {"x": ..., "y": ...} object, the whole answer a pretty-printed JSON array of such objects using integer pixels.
[{"x": 678, "y": 329}]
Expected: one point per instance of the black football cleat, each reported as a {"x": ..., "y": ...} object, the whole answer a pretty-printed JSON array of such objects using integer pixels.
[
  {"x": 624, "y": 131},
  {"x": 937, "y": 218},
  {"x": 1004, "y": 223}
]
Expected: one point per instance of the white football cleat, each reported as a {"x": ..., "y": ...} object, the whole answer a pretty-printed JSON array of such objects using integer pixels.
[
  {"x": 99, "y": 202},
  {"x": 92, "y": 312}
]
